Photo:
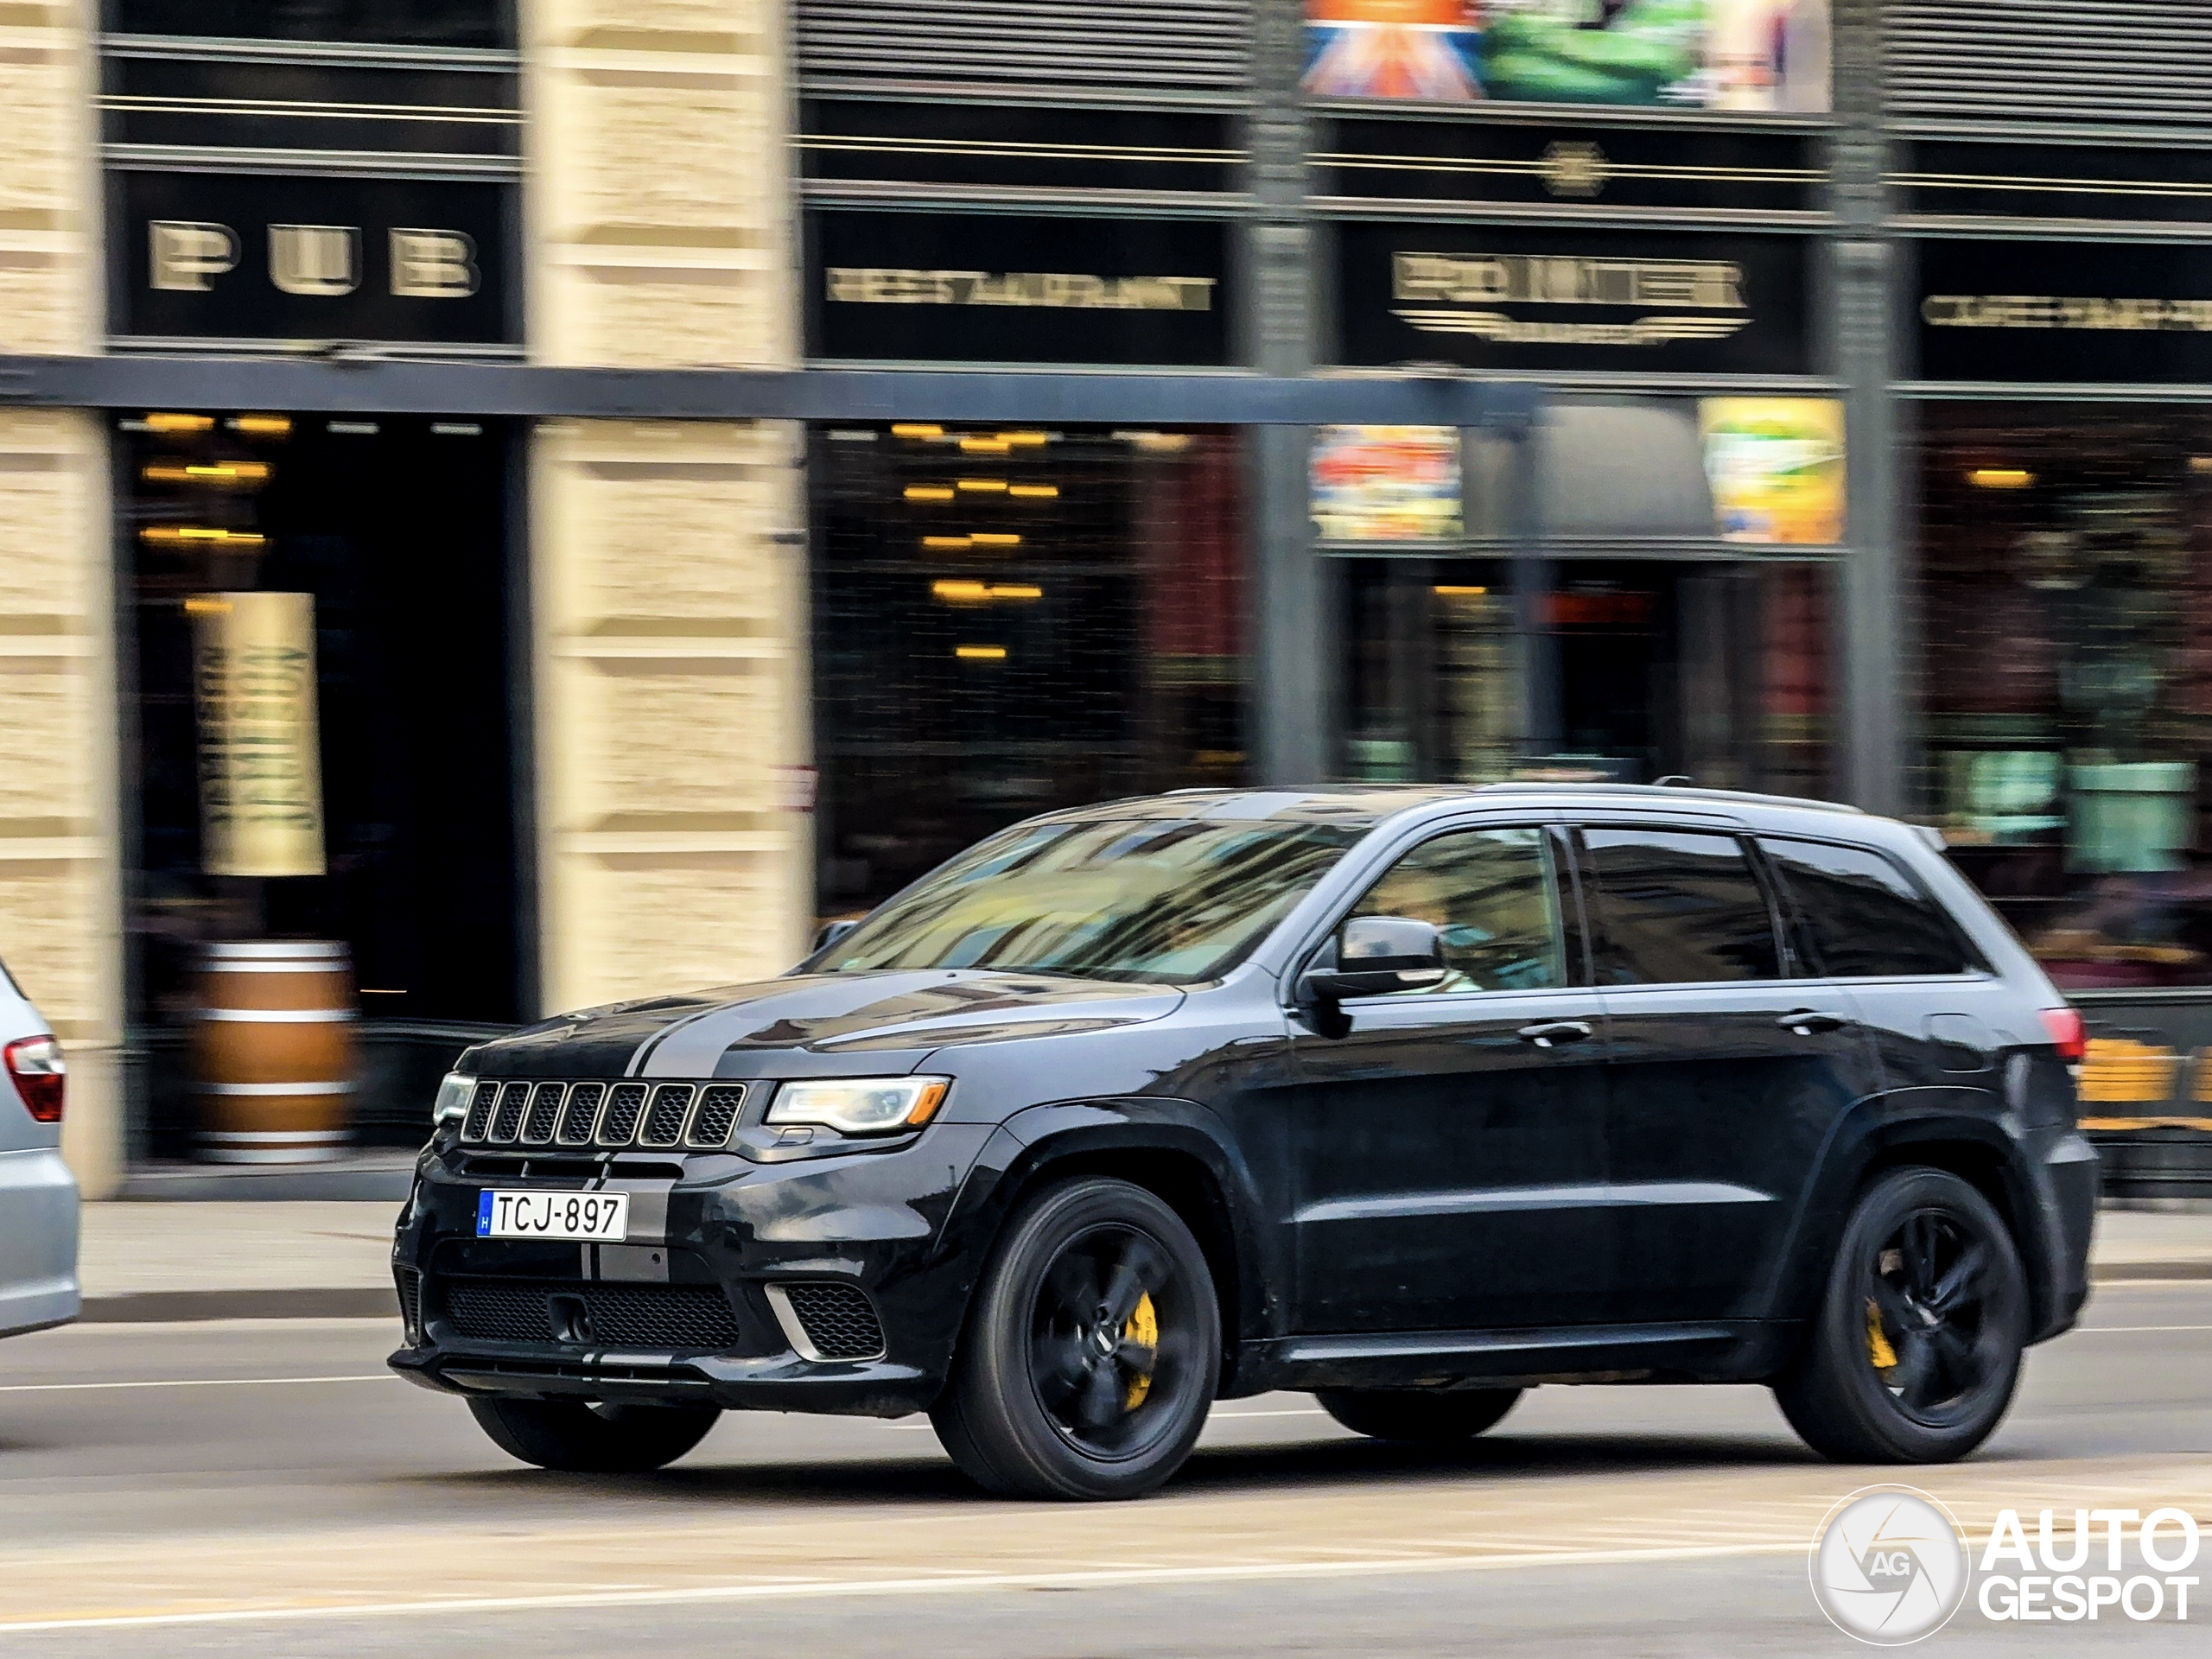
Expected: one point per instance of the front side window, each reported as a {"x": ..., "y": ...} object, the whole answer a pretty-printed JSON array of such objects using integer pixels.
[
  {"x": 1677, "y": 907},
  {"x": 1490, "y": 895},
  {"x": 1148, "y": 900},
  {"x": 1857, "y": 916}
]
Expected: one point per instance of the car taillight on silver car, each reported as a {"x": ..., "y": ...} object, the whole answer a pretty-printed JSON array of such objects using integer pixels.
[{"x": 40, "y": 1076}]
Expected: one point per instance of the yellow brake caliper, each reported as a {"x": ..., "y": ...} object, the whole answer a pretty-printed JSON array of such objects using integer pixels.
[
  {"x": 1878, "y": 1340},
  {"x": 1143, "y": 1327}
]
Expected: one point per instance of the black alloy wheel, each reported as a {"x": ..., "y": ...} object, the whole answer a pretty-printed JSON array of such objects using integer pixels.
[
  {"x": 1093, "y": 1351},
  {"x": 592, "y": 1437},
  {"x": 1419, "y": 1416},
  {"x": 1915, "y": 1347}
]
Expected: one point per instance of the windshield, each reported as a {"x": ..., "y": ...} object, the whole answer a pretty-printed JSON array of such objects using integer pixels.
[{"x": 1156, "y": 900}]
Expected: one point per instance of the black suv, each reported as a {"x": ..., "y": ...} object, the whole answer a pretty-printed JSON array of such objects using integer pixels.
[{"x": 1413, "y": 1097}]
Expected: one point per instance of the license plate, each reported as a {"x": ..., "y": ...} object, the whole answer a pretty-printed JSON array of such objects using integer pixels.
[{"x": 552, "y": 1215}]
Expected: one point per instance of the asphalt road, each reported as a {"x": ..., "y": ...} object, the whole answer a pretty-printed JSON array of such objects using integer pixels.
[{"x": 264, "y": 1489}]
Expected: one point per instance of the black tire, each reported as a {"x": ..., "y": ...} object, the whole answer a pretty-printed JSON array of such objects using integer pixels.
[
  {"x": 1054, "y": 1392},
  {"x": 1915, "y": 1348},
  {"x": 1422, "y": 1416},
  {"x": 591, "y": 1439}
]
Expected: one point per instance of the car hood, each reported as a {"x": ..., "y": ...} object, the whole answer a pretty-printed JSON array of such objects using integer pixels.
[{"x": 911, "y": 1011}]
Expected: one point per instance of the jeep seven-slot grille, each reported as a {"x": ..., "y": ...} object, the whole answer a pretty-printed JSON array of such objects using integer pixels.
[
  {"x": 839, "y": 1321},
  {"x": 663, "y": 1319},
  {"x": 666, "y": 1116},
  {"x": 580, "y": 1115},
  {"x": 506, "y": 1121},
  {"x": 544, "y": 1107},
  {"x": 624, "y": 1105}
]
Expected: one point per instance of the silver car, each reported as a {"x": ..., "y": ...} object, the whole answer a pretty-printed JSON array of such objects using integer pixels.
[{"x": 38, "y": 1195}]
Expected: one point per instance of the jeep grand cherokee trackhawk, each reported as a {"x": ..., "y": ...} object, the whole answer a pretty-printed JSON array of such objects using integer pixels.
[{"x": 1411, "y": 1097}]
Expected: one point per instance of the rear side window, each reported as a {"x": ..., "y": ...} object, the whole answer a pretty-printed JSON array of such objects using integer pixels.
[
  {"x": 1677, "y": 907},
  {"x": 1857, "y": 916}
]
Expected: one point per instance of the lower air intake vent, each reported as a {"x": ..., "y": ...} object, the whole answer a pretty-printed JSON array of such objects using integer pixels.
[
  {"x": 838, "y": 1319},
  {"x": 663, "y": 1319},
  {"x": 410, "y": 1302}
]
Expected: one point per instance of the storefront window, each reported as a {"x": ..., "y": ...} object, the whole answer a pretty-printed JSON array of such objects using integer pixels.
[
  {"x": 1716, "y": 672},
  {"x": 1008, "y": 622},
  {"x": 2067, "y": 566},
  {"x": 320, "y": 744}
]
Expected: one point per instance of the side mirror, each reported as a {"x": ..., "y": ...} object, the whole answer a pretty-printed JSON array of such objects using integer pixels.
[
  {"x": 1376, "y": 956},
  {"x": 829, "y": 934}
]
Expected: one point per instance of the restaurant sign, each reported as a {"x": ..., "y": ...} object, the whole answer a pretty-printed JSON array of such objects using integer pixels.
[{"x": 2066, "y": 311}]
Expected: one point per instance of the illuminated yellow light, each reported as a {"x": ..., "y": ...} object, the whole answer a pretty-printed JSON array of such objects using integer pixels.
[
  {"x": 183, "y": 535},
  {"x": 983, "y": 486},
  {"x": 207, "y": 607},
  {"x": 228, "y": 472},
  {"x": 1016, "y": 590},
  {"x": 952, "y": 543},
  {"x": 1463, "y": 591},
  {"x": 980, "y": 653},
  {"x": 1025, "y": 439},
  {"x": 928, "y": 492},
  {"x": 1035, "y": 492},
  {"x": 916, "y": 429},
  {"x": 984, "y": 446},
  {"x": 961, "y": 592},
  {"x": 180, "y": 422},
  {"x": 981, "y": 538},
  {"x": 2000, "y": 478},
  {"x": 264, "y": 426}
]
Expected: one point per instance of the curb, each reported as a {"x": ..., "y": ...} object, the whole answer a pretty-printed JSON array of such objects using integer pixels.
[
  {"x": 380, "y": 1302},
  {"x": 151, "y": 1306},
  {"x": 2105, "y": 1272}
]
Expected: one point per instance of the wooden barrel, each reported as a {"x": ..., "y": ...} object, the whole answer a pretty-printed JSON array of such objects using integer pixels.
[{"x": 273, "y": 1052}]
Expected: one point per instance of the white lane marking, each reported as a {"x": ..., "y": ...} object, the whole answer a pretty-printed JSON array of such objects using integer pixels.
[
  {"x": 2128, "y": 1330},
  {"x": 956, "y": 1584},
  {"x": 194, "y": 1382}
]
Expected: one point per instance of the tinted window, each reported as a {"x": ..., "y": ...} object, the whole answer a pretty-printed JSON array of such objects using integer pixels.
[
  {"x": 1489, "y": 894},
  {"x": 1859, "y": 917},
  {"x": 1155, "y": 900},
  {"x": 1675, "y": 906}
]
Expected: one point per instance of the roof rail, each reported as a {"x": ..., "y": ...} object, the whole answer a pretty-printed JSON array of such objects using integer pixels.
[{"x": 1669, "y": 791}]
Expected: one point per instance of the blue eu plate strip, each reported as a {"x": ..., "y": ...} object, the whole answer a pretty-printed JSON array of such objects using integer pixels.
[{"x": 483, "y": 1215}]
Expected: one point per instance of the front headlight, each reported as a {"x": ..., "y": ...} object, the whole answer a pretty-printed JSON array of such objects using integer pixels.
[
  {"x": 453, "y": 1094},
  {"x": 861, "y": 1105}
]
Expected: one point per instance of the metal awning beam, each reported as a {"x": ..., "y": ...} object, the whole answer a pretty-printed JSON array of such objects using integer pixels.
[{"x": 374, "y": 386}]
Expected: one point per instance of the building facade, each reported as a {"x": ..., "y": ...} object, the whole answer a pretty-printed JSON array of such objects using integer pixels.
[{"x": 738, "y": 452}]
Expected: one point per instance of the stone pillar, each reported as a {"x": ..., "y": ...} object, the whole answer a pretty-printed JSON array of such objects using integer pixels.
[
  {"x": 1294, "y": 647},
  {"x": 1868, "y": 704},
  {"x": 60, "y": 906},
  {"x": 667, "y": 570}
]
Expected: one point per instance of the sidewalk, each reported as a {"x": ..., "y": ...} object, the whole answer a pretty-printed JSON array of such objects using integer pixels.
[{"x": 261, "y": 1260}]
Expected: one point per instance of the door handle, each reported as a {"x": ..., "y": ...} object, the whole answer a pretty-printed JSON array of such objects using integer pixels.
[
  {"x": 1554, "y": 1031},
  {"x": 1806, "y": 1021}
]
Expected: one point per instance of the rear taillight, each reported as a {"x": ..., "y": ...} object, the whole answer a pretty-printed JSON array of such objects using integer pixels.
[
  {"x": 36, "y": 1067},
  {"x": 2065, "y": 1028}
]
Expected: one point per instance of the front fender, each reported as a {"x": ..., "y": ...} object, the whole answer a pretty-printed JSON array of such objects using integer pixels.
[{"x": 1115, "y": 1135}]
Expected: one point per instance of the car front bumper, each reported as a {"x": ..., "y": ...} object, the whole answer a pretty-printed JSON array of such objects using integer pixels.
[{"x": 706, "y": 1299}]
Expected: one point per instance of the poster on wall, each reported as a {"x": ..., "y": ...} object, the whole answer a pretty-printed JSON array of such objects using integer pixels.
[
  {"x": 1776, "y": 468},
  {"x": 253, "y": 674},
  {"x": 1386, "y": 483},
  {"x": 1708, "y": 54}
]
